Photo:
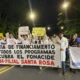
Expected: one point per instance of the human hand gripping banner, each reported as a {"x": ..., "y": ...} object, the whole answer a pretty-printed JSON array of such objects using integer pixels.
[
  {"x": 75, "y": 57},
  {"x": 35, "y": 55}
]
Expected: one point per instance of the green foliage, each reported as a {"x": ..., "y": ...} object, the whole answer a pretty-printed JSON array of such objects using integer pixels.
[
  {"x": 6, "y": 26},
  {"x": 72, "y": 24},
  {"x": 2, "y": 26}
]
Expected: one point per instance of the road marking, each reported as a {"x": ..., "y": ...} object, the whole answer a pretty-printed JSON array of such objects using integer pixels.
[
  {"x": 44, "y": 68},
  {"x": 6, "y": 70},
  {"x": 3, "y": 68}
]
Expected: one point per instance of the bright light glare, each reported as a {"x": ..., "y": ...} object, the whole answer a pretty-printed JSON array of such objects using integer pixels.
[
  {"x": 32, "y": 16},
  {"x": 49, "y": 28},
  {"x": 62, "y": 27},
  {"x": 54, "y": 35},
  {"x": 65, "y": 5}
]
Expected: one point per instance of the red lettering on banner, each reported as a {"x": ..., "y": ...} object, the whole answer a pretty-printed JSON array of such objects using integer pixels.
[
  {"x": 44, "y": 62},
  {"x": 1, "y": 61},
  {"x": 13, "y": 61},
  {"x": 52, "y": 62},
  {"x": 28, "y": 62}
]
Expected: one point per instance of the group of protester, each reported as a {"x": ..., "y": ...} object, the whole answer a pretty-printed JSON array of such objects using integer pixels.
[
  {"x": 29, "y": 39},
  {"x": 59, "y": 39}
]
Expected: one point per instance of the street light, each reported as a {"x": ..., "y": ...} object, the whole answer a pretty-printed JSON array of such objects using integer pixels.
[
  {"x": 48, "y": 28},
  {"x": 62, "y": 27},
  {"x": 65, "y": 5},
  {"x": 32, "y": 16}
]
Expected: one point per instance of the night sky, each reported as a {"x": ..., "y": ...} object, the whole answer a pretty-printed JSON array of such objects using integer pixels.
[{"x": 17, "y": 10}]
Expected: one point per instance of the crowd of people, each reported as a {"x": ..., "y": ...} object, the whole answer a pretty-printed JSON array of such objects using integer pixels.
[
  {"x": 58, "y": 39},
  {"x": 29, "y": 39}
]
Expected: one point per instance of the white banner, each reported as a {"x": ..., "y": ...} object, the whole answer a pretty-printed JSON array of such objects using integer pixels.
[
  {"x": 75, "y": 57},
  {"x": 36, "y": 55}
]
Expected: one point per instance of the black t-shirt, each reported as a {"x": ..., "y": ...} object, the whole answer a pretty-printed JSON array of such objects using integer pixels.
[{"x": 73, "y": 42}]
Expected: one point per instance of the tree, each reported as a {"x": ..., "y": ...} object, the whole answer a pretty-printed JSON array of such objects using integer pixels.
[{"x": 72, "y": 23}]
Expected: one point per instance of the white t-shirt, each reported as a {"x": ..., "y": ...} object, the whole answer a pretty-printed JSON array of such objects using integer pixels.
[
  {"x": 50, "y": 42},
  {"x": 11, "y": 41},
  {"x": 18, "y": 41},
  {"x": 26, "y": 42},
  {"x": 46, "y": 41}
]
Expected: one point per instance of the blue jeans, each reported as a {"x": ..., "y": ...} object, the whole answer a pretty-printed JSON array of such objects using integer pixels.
[
  {"x": 67, "y": 54},
  {"x": 63, "y": 66}
]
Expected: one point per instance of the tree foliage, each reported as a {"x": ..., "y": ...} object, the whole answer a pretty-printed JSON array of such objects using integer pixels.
[
  {"x": 7, "y": 26},
  {"x": 72, "y": 23}
]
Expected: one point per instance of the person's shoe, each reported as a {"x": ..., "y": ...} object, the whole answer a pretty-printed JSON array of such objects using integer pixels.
[
  {"x": 64, "y": 73},
  {"x": 74, "y": 71}
]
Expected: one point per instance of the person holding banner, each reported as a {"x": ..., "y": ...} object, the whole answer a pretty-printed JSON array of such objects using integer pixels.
[
  {"x": 18, "y": 41},
  {"x": 11, "y": 40},
  {"x": 29, "y": 36},
  {"x": 73, "y": 43},
  {"x": 25, "y": 40},
  {"x": 52, "y": 40},
  {"x": 63, "y": 42},
  {"x": 45, "y": 39},
  {"x": 34, "y": 40}
]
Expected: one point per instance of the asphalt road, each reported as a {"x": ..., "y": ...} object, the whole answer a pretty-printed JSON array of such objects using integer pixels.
[{"x": 33, "y": 73}]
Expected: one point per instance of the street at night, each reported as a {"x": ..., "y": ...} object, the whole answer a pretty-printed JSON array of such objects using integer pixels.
[{"x": 39, "y": 39}]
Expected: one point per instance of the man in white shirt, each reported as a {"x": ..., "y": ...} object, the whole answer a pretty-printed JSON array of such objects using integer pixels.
[
  {"x": 63, "y": 42},
  {"x": 25, "y": 40}
]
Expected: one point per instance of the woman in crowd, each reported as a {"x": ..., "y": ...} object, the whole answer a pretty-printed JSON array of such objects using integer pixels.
[
  {"x": 73, "y": 42},
  {"x": 11, "y": 40}
]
